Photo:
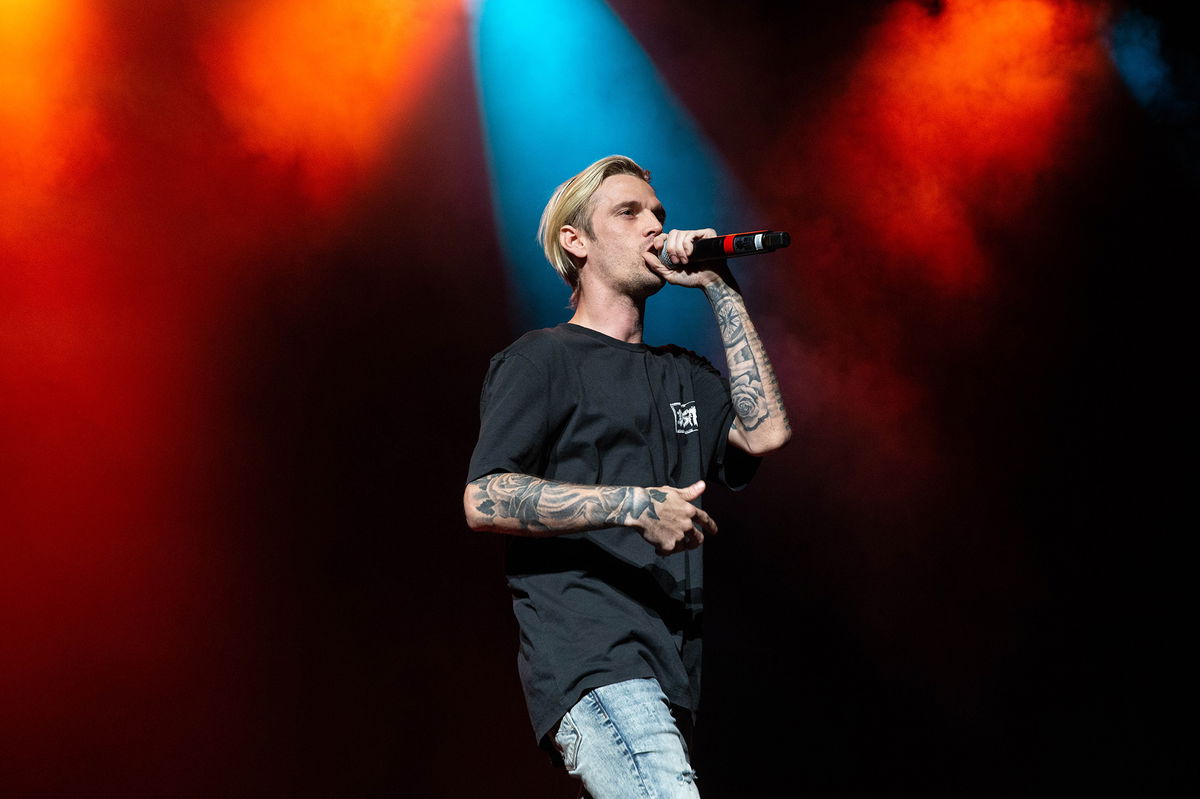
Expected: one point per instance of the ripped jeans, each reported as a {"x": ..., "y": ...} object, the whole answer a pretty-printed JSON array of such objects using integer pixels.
[{"x": 622, "y": 741}]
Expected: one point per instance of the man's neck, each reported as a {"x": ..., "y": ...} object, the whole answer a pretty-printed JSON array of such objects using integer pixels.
[{"x": 614, "y": 314}]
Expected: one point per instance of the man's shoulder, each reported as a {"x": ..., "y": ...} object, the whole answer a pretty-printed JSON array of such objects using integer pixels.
[{"x": 537, "y": 346}]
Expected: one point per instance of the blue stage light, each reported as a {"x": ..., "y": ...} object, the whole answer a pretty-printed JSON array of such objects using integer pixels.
[{"x": 561, "y": 84}]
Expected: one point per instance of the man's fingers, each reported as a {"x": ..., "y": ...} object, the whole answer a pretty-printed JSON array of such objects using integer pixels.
[
  {"x": 690, "y": 540},
  {"x": 695, "y": 523},
  {"x": 704, "y": 522},
  {"x": 655, "y": 264},
  {"x": 679, "y": 244},
  {"x": 684, "y": 245}
]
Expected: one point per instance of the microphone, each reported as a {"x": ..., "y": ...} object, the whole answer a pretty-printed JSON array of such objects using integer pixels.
[{"x": 732, "y": 245}]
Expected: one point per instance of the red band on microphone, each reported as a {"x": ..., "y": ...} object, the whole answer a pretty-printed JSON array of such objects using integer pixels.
[{"x": 727, "y": 243}]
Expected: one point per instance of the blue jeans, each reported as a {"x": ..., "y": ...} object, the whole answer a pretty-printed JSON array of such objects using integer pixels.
[{"x": 622, "y": 741}]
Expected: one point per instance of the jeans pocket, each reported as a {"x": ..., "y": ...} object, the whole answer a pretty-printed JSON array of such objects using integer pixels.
[{"x": 567, "y": 741}]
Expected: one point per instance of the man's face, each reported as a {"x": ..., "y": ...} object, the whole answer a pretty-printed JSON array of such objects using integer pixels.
[{"x": 626, "y": 221}]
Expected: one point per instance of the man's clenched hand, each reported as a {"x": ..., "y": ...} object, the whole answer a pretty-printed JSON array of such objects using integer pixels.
[{"x": 674, "y": 524}]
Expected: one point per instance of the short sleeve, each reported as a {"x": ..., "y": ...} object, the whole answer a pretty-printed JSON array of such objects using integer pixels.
[{"x": 513, "y": 419}]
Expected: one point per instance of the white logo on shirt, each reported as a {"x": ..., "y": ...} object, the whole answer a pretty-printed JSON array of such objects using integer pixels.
[{"x": 685, "y": 417}]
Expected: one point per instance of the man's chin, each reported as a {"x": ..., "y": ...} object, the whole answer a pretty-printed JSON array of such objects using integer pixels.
[{"x": 653, "y": 284}]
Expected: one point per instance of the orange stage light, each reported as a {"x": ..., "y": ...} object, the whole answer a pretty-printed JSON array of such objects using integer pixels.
[
  {"x": 45, "y": 112},
  {"x": 949, "y": 117},
  {"x": 322, "y": 83}
]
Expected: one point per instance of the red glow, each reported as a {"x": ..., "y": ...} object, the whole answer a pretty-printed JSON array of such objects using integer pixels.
[
  {"x": 946, "y": 124},
  {"x": 950, "y": 116},
  {"x": 127, "y": 216}
]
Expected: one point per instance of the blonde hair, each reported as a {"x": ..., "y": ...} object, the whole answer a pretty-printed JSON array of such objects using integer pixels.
[{"x": 571, "y": 204}]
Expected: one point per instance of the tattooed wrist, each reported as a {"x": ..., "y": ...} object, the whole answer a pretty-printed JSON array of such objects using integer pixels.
[{"x": 718, "y": 289}]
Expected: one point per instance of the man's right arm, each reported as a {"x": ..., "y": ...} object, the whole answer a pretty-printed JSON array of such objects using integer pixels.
[{"x": 520, "y": 504}]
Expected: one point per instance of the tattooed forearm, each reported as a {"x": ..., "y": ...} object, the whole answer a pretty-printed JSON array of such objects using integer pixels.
[
  {"x": 757, "y": 399},
  {"x": 523, "y": 503}
]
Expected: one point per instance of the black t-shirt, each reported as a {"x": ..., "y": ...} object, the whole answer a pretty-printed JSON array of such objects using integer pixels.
[{"x": 574, "y": 405}]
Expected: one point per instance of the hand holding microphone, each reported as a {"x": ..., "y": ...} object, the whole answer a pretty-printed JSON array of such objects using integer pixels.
[{"x": 731, "y": 245}]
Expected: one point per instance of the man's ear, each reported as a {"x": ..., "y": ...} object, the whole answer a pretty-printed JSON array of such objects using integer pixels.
[{"x": 573, "y": 241}]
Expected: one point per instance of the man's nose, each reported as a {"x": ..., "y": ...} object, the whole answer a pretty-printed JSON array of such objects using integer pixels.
[{"x": 655, "y": 225}]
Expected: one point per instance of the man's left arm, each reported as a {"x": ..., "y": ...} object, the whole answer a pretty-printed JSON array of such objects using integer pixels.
[{"x": 760, "y": 424}]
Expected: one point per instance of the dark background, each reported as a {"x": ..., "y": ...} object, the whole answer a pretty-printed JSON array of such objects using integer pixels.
[{"x": 961, "y": 578}]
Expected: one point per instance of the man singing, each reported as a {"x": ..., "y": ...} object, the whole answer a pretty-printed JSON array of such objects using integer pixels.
[{"x": 594, "y": 450}]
